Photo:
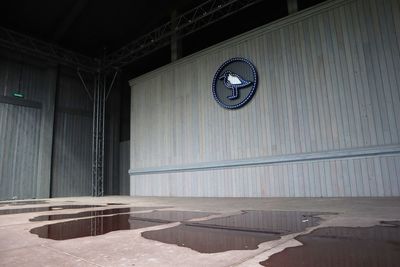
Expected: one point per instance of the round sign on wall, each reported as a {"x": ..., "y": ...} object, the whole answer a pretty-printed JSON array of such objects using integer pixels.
[{"x": 234, "y": 83}]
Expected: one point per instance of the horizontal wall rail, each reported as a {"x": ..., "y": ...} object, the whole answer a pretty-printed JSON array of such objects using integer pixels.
[{"x": 328, "y": 155}]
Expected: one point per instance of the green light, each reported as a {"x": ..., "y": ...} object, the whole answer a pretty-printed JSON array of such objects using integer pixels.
[{"x": 19, "y": 95}]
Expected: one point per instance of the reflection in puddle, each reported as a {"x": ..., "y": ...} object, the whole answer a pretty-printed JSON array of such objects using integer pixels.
[
  {"x": 237, "y": 232},
  {"x": 377, "y": 246},
  {"x": 51, "y": 208},
  {"x": 173, "y": 215},
  {"x": 209, "y": 240},
  {"x": 102, "y": 225},
  {"x": 90, "y": 227},
  {"x": 90, "y": 213},
  {"x": 21, "y": 203},
  {"x": 279, "y": 222}
]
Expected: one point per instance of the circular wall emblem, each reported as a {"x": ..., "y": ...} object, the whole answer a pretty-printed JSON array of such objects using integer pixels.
[{"x": 234, "y": 83}]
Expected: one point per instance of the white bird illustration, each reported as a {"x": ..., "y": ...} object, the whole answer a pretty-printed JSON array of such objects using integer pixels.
[{"x": 233, "y": 82}]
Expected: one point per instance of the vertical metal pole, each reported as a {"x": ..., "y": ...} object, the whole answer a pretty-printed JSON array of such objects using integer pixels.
[
  {"x": 94, "y": 177},
  {"x": 176, "y": 42},
  {"x": 100, "y": 96},
  {"x": 98, "y": 129},
  {"x": 292, "y": 6},
  {"x": 96, "y": 118},
  {"x": 102, "y": 141}
]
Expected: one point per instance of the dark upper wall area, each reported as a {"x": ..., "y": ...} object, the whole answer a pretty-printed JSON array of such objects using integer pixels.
[{"x": 94, "y": 28}]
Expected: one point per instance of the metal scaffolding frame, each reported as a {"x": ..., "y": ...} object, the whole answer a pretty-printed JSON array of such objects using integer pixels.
[
  {"x": 99, "y": 96},
  {"x": 189, "y": 22},
  {"x": 99, "y": 102},
  {"x": 29, "y": 45}
]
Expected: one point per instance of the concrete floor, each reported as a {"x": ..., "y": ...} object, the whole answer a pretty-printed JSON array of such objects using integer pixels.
[{"x": 18, "y": 247}]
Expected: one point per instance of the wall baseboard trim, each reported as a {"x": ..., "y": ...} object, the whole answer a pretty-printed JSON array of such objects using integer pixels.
[{"x": 292, "y": 158}]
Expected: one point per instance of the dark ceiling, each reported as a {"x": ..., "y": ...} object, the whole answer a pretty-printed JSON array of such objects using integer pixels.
[{"x": 94, "y": 27}]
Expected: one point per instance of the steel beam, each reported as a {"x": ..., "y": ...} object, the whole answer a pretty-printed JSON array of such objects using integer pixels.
[
  {"x": 189, "y": 22},
  {"x": 176, "y": 41},
  {"x": 292, "y": 6},
  {"x": 101, "y": 92},
  {"x": 29, "y": 45}
]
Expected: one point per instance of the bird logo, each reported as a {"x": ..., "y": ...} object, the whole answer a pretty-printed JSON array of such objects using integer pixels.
[{"x": 234, "y": 82}]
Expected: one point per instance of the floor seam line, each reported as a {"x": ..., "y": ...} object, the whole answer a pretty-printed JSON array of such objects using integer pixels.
[
  {"x": 11, "y": 249},
  {"x": 71, "y": 255}
]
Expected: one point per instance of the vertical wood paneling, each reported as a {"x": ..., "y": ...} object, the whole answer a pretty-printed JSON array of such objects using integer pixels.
[{"x": 329, "y": 79}]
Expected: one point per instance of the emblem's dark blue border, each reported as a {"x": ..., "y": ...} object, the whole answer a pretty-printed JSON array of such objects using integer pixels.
[{"x": 249, "y": 96}]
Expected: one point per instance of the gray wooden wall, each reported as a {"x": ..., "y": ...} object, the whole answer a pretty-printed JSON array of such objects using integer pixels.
[{"x": 325, "y": 120}]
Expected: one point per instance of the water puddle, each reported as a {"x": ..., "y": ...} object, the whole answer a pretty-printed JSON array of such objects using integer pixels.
[
  {"x": 377, "y": 246},
  {"x": 169, "y": 216},
  {"x": 41, "y": 209},
  {"x": 102, "y": 225},
  {"x": 237, "y": 232},
  {"x": 95, "y": 213},
  {"x": 209, "y": 240},
  {"x": 90, "y": 227}
]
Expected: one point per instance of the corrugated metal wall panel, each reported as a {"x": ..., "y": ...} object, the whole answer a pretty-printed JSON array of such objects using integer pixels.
[
  {"x": 70, "y": 114},
  {"x": 123, "y": 168},
  {"x": 21, "y": 76},
  {"x": 21, "y": 124},
  {"x": 71, "y": 172},
  {"x": 71, "y": 93},
  {"x": 329, "y": 80},
  {"x": 72, "y": 156},
  {"x": 19, "y": 147}
]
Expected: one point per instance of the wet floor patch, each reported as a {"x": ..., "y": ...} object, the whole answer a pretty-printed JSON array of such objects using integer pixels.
[
  {"x": 377, "y": 246},
  {"x": 209, "y": 240},
  {"x": 23, "y": 202},
  {"x": 95, "y": 213},
  {"x": 277, "y": 222},
  {"x": 169, "y": 216},
  {"x": 90, "y": 227},
  {"x": 51, "y": 208},
  {"x": 102, "y": 225},
  {"x": 237, "y": 232}
]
